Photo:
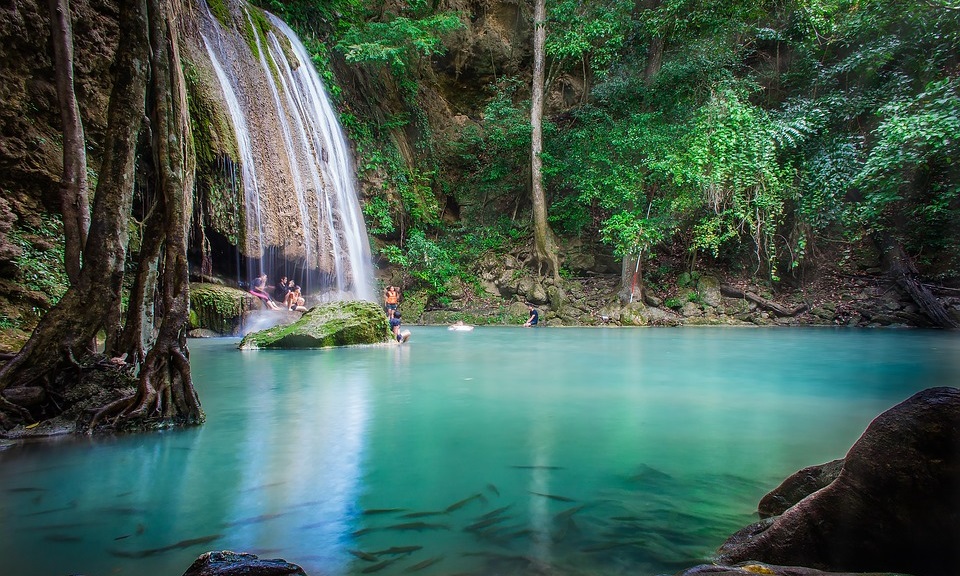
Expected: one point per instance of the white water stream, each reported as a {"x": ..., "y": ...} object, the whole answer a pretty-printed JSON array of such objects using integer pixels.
[{"x": 300, "y": 191}]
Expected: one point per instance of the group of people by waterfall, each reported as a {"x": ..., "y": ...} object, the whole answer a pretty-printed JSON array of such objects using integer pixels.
[{"x": 286, "y": 294}]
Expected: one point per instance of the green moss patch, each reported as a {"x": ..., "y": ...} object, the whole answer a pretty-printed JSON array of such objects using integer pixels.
[
  {"x": 325, "y": 326},
  {"x": 217, "y": 308}
]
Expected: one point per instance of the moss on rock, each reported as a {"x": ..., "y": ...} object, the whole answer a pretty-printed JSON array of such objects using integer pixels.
[
  {"x": 324, "y": 326},
  {"x": 218, "y": 308}
]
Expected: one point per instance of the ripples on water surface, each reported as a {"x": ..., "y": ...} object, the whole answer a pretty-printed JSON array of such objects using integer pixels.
[{"x": 502, "y": 450}]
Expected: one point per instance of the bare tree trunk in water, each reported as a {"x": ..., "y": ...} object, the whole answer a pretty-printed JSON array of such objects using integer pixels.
[
  {"x": 900, "y": 267},
  {"x": 165, "y": 393},
  {"x": 67, "y": 330},
  {"x": 74, "y": 203},
  {"x": 543, "y": 239}
]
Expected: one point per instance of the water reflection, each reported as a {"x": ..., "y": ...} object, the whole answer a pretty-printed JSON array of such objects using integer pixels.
[{"x": 495, "y": 451}]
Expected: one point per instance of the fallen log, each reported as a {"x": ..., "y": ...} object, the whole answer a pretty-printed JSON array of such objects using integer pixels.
[{"x": 732, "y": 292}]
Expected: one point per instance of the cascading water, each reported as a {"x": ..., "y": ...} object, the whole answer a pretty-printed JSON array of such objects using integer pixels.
[{"x": 303, "y": 217}]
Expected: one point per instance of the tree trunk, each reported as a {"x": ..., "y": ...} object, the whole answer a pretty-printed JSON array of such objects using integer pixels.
[
  {"x": 631, "y": 279},
  {"x": 543, "y": 241},
  {"x": 769, "y": 305},
  {"x": 139, "y": 329},
  {"x": 74, "y": 203},
  {"x": 901, "y": 269},
  {"x": 165, "y": 393},
  {"x": 68, "y": 328}
]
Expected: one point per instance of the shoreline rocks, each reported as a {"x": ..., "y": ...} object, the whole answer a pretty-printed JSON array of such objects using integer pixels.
[{"x": 894, "y": 506}]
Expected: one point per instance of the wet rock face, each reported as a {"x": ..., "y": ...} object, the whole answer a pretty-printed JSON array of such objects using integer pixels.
[
  {"x": 228, "y": 563},
  {"x": 30, "y": 133},
  {"x": 895, "y": 506},
  {"x": 754, "y": 568}
]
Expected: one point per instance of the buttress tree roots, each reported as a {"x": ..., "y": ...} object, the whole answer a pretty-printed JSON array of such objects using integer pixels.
[{"x": 147, "y": 108}]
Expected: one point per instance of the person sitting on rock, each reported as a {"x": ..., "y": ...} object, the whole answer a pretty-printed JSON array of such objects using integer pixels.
[
  {"x": 294, "y": 301},
  {"x": 281, "y": 290},
  {"x": 395, "y": 326},
  {"x": 259, "y": 290}
]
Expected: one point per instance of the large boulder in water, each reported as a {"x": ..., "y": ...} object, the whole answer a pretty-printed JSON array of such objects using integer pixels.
[
  {"x": 326, "y": 325},
  {"x": 219, "y": 309},
  {"x": 798, "y": 486},
  {"x": 756, "y": 568},
  {"x": 895, "y": 506},
  {"x": 228, "y": 563}
]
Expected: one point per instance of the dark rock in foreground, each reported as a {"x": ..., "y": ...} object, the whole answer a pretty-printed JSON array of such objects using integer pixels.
[
  {"x": 799, "y": 486},
  {"x": 228, "y": 563},
  {"x": 895, "y": 506},
  {"x": 754, "y": 568},
  {"x": 326, "y": 325}
]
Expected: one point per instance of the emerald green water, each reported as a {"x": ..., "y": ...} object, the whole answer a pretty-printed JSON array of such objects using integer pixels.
[{"x": 614, "y": 451}]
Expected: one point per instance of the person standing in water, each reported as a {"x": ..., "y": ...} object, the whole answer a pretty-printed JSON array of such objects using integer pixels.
[
  {"x": 391, "y": 299},
  {"x": 534, "y": 318},
  {"x": 395, "y": 326}
]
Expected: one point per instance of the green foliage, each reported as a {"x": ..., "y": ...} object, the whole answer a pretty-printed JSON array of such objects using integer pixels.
[
  {"x": 377, "y": 212},
  {"x": 398, "y": 42},
  {"x": 917, "y": 136},
  {"x": 592, "y": 33},
  {"x": 673, "y": 302},
  {"x": 40, "y": 263},
  {"x": 633, "y": 233},
  {"x": 493, "y": 155},
  {"x": 430, "y": 262}
]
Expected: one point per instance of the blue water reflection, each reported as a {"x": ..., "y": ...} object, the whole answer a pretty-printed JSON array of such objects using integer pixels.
[{"x": 500, "y": 450}]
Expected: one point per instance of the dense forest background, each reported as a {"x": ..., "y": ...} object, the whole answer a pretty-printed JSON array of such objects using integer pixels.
[
  {"x": 778, "y": 141},
  {"x": 787, "y": 146}
]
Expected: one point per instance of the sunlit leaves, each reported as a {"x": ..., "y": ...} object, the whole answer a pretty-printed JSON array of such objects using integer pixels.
[
  {"x": 589, "y": 32},
  {"x": 397, "y": 42}
]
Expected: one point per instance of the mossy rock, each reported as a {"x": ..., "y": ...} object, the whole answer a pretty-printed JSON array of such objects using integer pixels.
[
  {"x": 325, "y": 326},
  {"x": 218, "y": 308}
]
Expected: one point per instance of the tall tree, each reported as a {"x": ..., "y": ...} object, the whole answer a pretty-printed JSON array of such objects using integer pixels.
[
  {"x": 543, "y": 240},
  {"x": 74, "y": 203},
  {"x": 147, "y": 55}
]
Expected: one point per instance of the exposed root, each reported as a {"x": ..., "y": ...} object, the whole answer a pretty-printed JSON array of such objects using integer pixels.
[
  {"x": 20, "y": 411},
  {"x": 115, "y": 408}
]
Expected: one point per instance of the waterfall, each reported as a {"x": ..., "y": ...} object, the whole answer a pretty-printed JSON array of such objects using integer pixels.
[
  {"x": 251, "y": 190},
  {"x": 302, "y": 210}
]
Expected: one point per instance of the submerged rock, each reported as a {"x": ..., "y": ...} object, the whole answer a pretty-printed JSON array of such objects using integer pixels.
[
  {"x": 326, "y": 325},
  {"x": 227, "y": 563},
  {"x": 895, "y": 505}
]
